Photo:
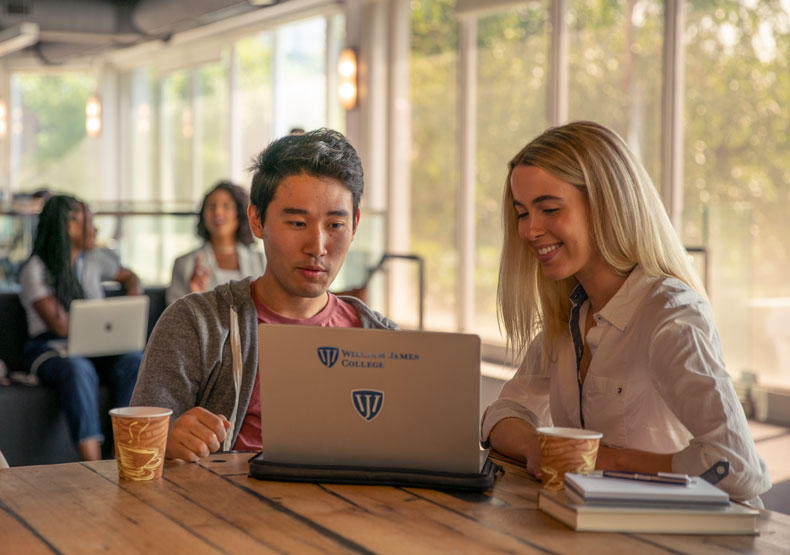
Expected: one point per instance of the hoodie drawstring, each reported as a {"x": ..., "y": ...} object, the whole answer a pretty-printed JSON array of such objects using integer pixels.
[{"x": 235, "y": 349}]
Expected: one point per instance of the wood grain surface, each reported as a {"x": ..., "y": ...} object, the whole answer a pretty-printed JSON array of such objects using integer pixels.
[{"x": 214, "y": 507}]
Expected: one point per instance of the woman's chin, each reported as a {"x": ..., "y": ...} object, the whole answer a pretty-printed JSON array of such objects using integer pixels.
[{"x": 555, "y": 273}]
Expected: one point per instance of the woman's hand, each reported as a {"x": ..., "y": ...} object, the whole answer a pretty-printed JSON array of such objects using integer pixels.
[
  {"x": 54, "y": 315},
  {"x": 201, "y": 276},
  {"x": 130, "y": 282},
  {"x": 533, "y": 459},
  {"x": 517, "y": 439},
  {"x": 633, "y": 460}
]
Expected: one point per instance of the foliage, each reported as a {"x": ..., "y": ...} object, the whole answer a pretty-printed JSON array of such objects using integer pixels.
[
  {"x": 434, "y": 157},
  {"x": 736, "y": 142},
  {"x": 737, "y": 114},
  {"x": 52, "y": 136}
]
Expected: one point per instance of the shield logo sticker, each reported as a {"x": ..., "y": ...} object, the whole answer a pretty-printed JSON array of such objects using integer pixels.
[
  {"x": 367, "y": 402},
  {"x": 327, "y": 356}
]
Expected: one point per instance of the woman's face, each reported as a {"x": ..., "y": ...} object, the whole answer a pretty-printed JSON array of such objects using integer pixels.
[
  {"x": 219, "y": 215},
  {"x": 553, "y": 219},
  {"x": 81, "y": 230}
]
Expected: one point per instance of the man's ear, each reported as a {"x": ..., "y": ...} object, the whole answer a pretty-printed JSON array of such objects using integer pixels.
[
  {"x": 255, "y": 221},
  {"x": 356, "y": 224}
]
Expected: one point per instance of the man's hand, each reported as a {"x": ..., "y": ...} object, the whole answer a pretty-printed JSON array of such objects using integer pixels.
[
  {"x": 201, "y": 276},
  {"x": 196, "y": 433}
]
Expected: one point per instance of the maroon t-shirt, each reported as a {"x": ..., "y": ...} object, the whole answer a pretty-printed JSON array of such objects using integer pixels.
[{"x": 336, "y": 314}]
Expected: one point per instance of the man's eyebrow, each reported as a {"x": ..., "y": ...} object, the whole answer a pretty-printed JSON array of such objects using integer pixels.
[
  {"x": 295, "y": 211},
  {"x": 302, "y": 212}
]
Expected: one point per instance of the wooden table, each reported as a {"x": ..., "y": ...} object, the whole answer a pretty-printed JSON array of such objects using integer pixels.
[{"x": 213, "y": 507}]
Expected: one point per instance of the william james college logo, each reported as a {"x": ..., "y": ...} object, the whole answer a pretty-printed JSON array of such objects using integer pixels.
[
  {"x": 327, "y": 356},
  {"x": 367, "y": 402}
]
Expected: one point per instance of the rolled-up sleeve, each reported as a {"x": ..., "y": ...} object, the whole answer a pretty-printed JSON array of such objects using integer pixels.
[
  {"x": 688, "y": 370},
  {"x": 524, "y": 396}
]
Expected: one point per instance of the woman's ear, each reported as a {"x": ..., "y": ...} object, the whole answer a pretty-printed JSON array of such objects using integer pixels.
[{"x": 255, "y": 221}]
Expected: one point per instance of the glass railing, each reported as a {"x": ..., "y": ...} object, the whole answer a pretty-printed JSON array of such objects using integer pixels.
[{"x": 148, "y": 238}]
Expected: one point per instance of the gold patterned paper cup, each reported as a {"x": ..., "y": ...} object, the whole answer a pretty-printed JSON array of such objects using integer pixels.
[
  {"x": 140, "y": 441},
  {"x": 566, "y": 450}
]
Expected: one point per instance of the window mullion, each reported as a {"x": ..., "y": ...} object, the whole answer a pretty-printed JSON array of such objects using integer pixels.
[
  {"x": 466, "y": 191},
  {"x": 557, "y": 93},
  {"x": 672, "y": 117}
]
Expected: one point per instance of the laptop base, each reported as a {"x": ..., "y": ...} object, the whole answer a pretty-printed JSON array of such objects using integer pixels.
[{"x": 284, "y": 472}]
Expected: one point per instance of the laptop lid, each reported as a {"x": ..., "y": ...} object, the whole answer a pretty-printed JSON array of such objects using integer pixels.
[
  {"x": 371, "y": 398},
  {"x": 111, "y": 326}
]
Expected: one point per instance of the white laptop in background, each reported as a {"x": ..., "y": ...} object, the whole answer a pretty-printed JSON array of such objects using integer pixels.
[
  {"x": 111, "y": 326},
  {"x": 370, "y": 398}
]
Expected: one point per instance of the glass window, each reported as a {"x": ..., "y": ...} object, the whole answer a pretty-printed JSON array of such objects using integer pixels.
[
  {"x": 49, "y": 144},
  {"x": 737, "y": 174},
  {"x": 615, "y": 71},
  {"x": 434, "y": 157},
  {"x": 212, "y": 123},
  {"x": 255, "y": 95},
  {"x": 512, "y": 76},
  {"x": 300, "y": 76},
  {"x": 139, "y": 165},
  {"x": 177, "y": 121}
]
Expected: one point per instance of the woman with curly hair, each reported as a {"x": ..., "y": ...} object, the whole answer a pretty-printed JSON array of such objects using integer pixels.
[{"x": 226, "y": 254}]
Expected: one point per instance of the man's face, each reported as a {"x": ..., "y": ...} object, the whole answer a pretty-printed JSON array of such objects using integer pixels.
[{"x": 307, "y": 230}]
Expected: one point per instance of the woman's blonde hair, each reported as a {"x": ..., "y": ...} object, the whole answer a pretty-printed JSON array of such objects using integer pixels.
[{"x": 629, "y": 227}]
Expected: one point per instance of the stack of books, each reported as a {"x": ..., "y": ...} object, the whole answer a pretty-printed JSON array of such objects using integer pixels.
[{"x": 603, "y": 504}]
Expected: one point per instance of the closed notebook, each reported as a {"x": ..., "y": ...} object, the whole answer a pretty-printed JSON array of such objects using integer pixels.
[
  {"x": 732, "y": 519},
  {"x": 597, "y": 489}
]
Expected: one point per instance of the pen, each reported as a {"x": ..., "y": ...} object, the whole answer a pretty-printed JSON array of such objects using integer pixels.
[{"x": 660, "y": 478}]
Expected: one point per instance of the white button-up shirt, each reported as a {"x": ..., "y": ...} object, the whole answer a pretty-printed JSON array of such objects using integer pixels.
[{"x": 656, "y": 382}]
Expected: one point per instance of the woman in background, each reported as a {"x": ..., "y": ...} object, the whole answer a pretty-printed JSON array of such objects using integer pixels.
[
  {"x": 226, "y": 254},
  {"x": 598, "y": 295},
  {"x": 64, "y": 266}
]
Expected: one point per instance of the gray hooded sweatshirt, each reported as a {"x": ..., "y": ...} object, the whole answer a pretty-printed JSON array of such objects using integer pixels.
[{"x": 189, "y": 359}]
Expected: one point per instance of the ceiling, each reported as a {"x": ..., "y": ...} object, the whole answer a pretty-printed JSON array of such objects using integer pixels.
[{"x": 58, "y": 31}]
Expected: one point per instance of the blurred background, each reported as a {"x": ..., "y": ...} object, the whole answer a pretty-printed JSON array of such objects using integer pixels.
[{"x": 138, "y": 106}]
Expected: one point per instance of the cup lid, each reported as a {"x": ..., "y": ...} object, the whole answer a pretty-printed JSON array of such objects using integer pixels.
[
  {"x": 570, "y": 433},
  {"x": 140, "y": 412}
]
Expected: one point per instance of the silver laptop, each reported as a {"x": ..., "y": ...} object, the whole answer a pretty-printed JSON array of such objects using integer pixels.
[
  {"x": 370, "y": 398},
  {"x": 111, "y": 326}
]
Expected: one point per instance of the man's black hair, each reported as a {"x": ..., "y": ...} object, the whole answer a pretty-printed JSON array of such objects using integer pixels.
[{"x": 321, "y": 153}]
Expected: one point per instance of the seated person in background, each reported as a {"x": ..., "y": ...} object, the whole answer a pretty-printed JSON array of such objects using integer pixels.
[
  {"x": 63, "y": 267},
  {"x": 598, "y": 294},
  {"x": 226, "y": 254},
  {"x": 202, "y": 357}
]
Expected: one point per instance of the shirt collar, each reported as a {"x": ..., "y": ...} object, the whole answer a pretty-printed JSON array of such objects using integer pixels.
[{"x": 620, "y": 309}]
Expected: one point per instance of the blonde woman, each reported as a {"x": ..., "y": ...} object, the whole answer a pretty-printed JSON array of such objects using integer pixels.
[{"x": 597, "y": 294}]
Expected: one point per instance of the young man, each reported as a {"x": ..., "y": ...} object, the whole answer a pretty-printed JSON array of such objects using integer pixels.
[{"x": 202, "y": 358}]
